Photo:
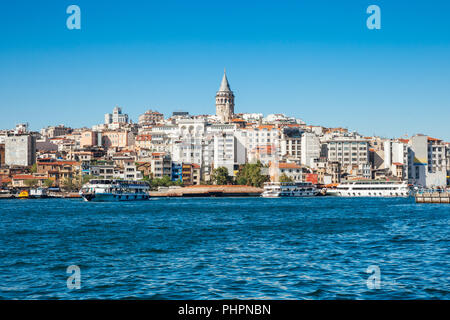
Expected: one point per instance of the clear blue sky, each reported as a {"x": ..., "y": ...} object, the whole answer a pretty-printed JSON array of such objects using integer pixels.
[{"x": 313, "y": 59}]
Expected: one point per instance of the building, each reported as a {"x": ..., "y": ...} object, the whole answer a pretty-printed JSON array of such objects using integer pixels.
[
  {"x": 427, "y": 165},
  {"x": 117, "y": 138},
  {"x": 177, "y": 173},
  {"x": 225, "y": 101},
  {"x": 150, "y": 118},
  {"x": 21, "y": 181},
  {"x": 144, "y": 141},
  {"x": 161, "y": 165},
  {"x": 191, "y": 174},
  {"x": 310, "y": 149},
  {"x": 225, "y": 152},
  {"x": 291, "y": 142},
  {"x": 20, "y": 150},
  {"x": 350, "y": 152},
  {"x": 396, "y": 158},
  {"x": 90, "y": 138},
  {"x": 59, "y": 170},
  {"x": 2, "y": 155},
  {"x": 117, "y": 117},
  {"x": 102, "y": 169},
  {"x": 55, "y": 131},
  {"x": 291, "y": 170}
]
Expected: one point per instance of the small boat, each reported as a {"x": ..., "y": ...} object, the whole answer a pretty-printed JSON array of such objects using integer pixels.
[
  {"x": 115, "y": 190},
  {"x": 289, "y": 189},
  {"x": 23, "y": 195}
]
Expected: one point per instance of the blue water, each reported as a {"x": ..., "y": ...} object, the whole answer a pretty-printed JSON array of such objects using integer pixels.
[{"x": 223, "y": 248}]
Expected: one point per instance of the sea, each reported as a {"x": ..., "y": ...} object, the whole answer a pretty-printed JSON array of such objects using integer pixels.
[{"x": 225, "y": 248}]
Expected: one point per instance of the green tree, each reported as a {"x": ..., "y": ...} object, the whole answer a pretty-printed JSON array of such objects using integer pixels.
[
  {"x": 220, "y": 176},
  {"x": 48, "y": 183},
  {"x": 86, "y": 178},
  {"x": 285, "y": 178},
  {"x": 33, "y": 168},
  {"x": 165, "y": 181},
  {"x": 32, "y": 183},
  {"x": 250, "y": 174}
]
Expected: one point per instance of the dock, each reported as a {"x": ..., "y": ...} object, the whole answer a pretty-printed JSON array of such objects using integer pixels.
[
  {"x": 433, "y": 196},
  {"x": 210, "y": 191}
]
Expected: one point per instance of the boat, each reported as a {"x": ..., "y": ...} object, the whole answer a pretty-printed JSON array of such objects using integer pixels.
[
  {"x": 23, "y": 195},
  {"x": 289, "y": 189},
  {"x": 371, "y": 188},
  {"x": 39, "y": 193},
  {"x": 115, "y": 190}
]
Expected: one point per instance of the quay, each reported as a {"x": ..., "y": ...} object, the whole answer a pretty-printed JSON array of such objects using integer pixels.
[
  {"x": 209, "y": 191},
  {"x": 433, "y": 196}
]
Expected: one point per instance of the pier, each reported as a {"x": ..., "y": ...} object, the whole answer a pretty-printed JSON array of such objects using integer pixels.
[
  {"x": 433, "y": 196},
  {"x": 210, "y": 191}
]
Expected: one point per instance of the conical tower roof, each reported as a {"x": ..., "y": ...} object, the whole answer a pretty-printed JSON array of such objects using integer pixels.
[{"x": 225, "y": 86}]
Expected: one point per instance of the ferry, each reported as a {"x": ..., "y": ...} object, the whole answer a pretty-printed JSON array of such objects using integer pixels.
[
  {"x": 371, "y": 188},
  {"x": 115, "y": 190},
  {"x": 289, "y": 189}
]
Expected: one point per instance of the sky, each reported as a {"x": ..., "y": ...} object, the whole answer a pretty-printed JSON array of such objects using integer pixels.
[{"x": 312, "y": 59}]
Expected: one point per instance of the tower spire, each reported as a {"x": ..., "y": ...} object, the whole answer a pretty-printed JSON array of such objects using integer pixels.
[{"x": 224, "y": 86}]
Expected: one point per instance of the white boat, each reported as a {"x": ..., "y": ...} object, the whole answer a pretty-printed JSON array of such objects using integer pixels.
[
  {"x": 371, "y": 188},
  {"x": 289, "y": 189},
  {"x": 39, "y": 192},
  {"x": 115, "y": 190}
]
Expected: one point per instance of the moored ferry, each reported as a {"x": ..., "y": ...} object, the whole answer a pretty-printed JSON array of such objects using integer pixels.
[
  {"x": 115, "y": 190},
  {"x": 289, "y": 189},
  {"x": 371, "y": 188}
]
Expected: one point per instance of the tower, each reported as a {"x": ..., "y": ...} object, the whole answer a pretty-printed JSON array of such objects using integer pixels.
[{"x": 225, "y": 101}]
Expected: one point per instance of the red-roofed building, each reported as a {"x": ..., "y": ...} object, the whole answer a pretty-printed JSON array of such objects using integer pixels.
[{"x": 59, "y": 170}]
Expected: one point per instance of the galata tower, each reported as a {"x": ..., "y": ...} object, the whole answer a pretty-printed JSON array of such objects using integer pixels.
[{"x": 225, "y": 101}]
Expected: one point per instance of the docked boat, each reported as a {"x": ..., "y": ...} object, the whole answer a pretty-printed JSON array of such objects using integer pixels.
[
  {"x": 289, "y": 189},
  {"x": 371, "y": 188},
  {"x": 115, "y": 190},
  {"x": 23, "y": 195},
  {"x": 39, "y": 193}
]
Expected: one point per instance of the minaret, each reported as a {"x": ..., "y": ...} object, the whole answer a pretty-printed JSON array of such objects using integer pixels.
[{"x": 225, "y": 101}]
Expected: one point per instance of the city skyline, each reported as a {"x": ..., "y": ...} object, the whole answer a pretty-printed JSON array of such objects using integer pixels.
[{"x": 317, "y": 63}]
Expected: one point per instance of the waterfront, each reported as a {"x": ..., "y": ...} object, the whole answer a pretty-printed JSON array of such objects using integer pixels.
[{"x": 225, "y": 248}]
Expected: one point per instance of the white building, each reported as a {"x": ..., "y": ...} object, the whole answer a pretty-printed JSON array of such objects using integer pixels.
[
  {"x": 117, "y": 117},
  {"x": 20, "y": 150},
  {"x": 427, "y": 162},
  {"x": 310, "y": 149},
  {"x": 349, "y": 152},
  {"x": 396, "y": 157}
]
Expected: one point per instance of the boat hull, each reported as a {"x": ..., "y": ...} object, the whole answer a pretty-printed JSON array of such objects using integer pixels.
[
  {"x": 110, "y": 197},
  {"x": 290, "y": 195}
]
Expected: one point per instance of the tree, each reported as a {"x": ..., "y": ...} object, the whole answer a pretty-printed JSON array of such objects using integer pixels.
[
  {"x": 250, "y": 175},
  {"x": 32, "y": 183},
  {"x": 220, "y": 176},
  {"x": 48, "y": 183},
  {"x": 86, "y": 178},
  {"x": 165, "y": 181},
  {"x": 33, "y": 168},
  {"x": 68, "y": 185},
  {"x": 285, "y": 178}
]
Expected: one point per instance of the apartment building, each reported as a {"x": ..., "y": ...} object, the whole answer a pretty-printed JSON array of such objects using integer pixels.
[
  {"x": 427, "y": 161},
  {"x": 20, "y": 150},
  {"x": 348, "y": 151}
]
